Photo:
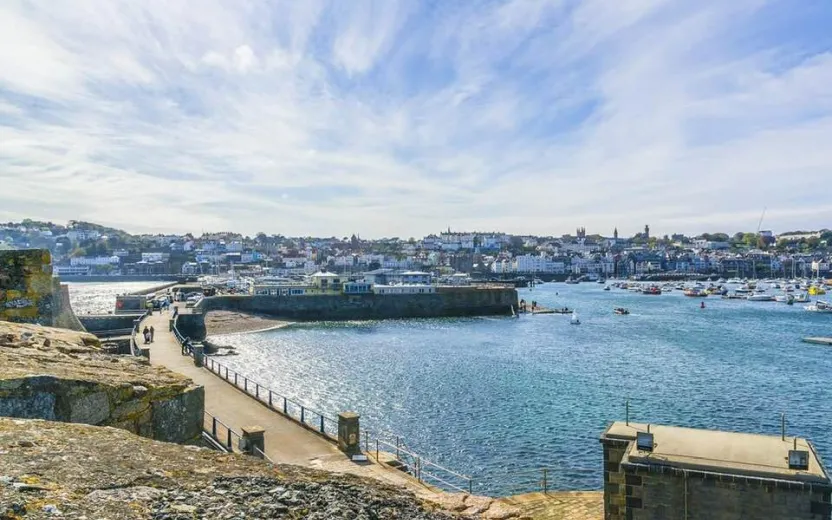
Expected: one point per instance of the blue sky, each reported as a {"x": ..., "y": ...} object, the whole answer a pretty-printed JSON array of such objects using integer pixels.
[{"x": 400, "y": 118}]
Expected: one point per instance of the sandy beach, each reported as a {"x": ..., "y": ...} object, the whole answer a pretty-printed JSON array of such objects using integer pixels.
[{"x": 230, "y": 322}]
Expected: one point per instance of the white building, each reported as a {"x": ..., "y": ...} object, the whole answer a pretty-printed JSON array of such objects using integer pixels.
[
  {"x": 155, "y": 257},
  {"x": 93, "y": 260},
  {"x": 76, "y": 235}
]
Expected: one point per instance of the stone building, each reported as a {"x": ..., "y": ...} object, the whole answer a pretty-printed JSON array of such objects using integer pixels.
[
  {"x": 26, "y": 287},
  {"x": 664, "y": 472}
]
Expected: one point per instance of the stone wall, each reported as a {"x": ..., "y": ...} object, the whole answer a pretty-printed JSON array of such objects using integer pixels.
[
  {"x": 60, "y": 375},
  {"x": 615, "y": 483},
  {"x": 26, "y": 291},
  {"x": 63, "y": 315},
  {"x": 446, "y": 302},
  {"x": 97, "y": 323},
  {"x": 672, "y": 493}
]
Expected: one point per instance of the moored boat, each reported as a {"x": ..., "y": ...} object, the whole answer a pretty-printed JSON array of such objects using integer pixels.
[
  {"x": 820, "y": 306},
  {"x": 760, "y": 297},
  {"x": 621, "y": 311},
  {"x": 695, "y": 292}
]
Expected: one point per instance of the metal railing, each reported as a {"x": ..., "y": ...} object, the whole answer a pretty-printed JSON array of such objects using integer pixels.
[
  {"x": 544, "y": 479},
  {"x": 219, "y": 432},
  {"x": 424, "y": 470},
  {"x": 134, "y": 346},
  {"x": 306, "y": 416}
]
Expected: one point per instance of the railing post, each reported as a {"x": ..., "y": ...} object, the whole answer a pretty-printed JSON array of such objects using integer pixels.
[
  {"x": 376, "y": 450},
  {"x": 214, "y": 427},
  {"x": 270, "y": 399},
  {"x": 235, "y": 377},
  {"x": 285, "y": 407},
  {"x": 545, "y": 483},
  {"x": 418, "y": 469},
  {"x": 230, "y": 446},
  {"x": 254, "y": 441},
  {"x": 397, "y": 447},
  {"x": 245, "y": 384},
  {"x": 349, "y": 433},
  {"x": 226, "y": 373},
  {"x": 257, "y": 391},
  {"x": 322, "y": 424},
  {"x": 470, "y": 487},
  {"x": 302, "y": 413},
  {"x": 366, "y": 440}
]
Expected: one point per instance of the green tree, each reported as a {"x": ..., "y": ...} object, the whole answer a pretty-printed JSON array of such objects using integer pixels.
[{"x": 749, "y": 239}]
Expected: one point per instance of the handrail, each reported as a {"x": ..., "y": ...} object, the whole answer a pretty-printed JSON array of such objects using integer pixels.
[
  {"x": 305, "y": 415},
  {"x": 134, "y": 346},
  {"x": 213, "y": 432},
  {"x": 318, "y": 422},
  {"x": 415, "y": 466}
]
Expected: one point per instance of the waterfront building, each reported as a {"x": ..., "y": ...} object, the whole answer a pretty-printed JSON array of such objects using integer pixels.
[
  {"x": 403, "y": 289},
  {"x": 94, "y": 260},
  {"x": 326, "y": 282},
  {"x": 357, "y": 288},
  {"x": 658, "y": 472},
  {"x": 415, "y": 277}
]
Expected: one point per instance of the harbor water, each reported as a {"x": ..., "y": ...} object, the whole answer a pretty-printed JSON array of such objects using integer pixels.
[
  {"x": 496, "y": 398},
  {"x": 100, "y": 297}
]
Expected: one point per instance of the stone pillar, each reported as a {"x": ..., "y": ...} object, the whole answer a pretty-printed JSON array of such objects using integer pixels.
[
  {"x": 199, "y": 356},
  {"x": 253, "y": 437},
  {"x": 349, "y": 433}
]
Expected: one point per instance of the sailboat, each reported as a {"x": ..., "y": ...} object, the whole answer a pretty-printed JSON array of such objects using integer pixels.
[{"x": 575, "y": 320}]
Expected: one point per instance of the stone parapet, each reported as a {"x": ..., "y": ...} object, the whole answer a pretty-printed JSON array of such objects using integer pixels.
[{"x": 61, "y": 375}]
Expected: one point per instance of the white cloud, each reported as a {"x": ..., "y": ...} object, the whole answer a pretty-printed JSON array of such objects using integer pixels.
[{"x": 379, "y": 118}]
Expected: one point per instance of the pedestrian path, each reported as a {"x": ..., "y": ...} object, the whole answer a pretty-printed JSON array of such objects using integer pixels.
[{"x": 286, "y": 442}]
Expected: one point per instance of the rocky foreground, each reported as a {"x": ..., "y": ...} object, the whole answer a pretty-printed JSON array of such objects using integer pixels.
[
  {"x": 62, "y": 375},
  {"x": 62, "y": 470}
]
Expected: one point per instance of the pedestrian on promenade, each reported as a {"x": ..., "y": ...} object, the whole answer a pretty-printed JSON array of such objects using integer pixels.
[
  {"x": 146, "y": 334},
  {"x": 152, "y": 331}
]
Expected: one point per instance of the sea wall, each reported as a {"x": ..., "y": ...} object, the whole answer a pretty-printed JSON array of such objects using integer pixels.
[
  {"x": 63, "y": 315},
  {"x": 26, "y": 290},
  {"x": 445, "y": 302},
  {"x": 100, "y": 323},
  {"x": 61, "y": 375}
]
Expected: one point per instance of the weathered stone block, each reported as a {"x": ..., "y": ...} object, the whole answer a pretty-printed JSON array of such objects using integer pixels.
[
  {"x": 179, "y": 419},
  {"x": 90, "y": 409},
  {"x": 61, "y": 375}
]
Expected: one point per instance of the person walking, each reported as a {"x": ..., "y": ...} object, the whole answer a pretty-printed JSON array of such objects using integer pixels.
[
  {"x": 151, "y": 333},
  {"x": 146, "y": 334}
]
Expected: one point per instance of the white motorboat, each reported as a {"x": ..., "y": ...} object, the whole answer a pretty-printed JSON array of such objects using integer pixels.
[
  {"x": 575, "y": 320},
  {"x": 802, "y": 298},
  {"x": 820, "y": 306},
  {"x": 760, "y": 297}
]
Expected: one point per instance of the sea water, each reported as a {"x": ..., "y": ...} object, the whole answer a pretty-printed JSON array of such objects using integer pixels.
[{"x": 498, "y": 398}]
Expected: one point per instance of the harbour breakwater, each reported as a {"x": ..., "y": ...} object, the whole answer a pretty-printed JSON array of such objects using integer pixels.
[{"x": 445, "y": 302}]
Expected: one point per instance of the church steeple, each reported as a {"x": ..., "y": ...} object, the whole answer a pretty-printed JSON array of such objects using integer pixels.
[{"x": 615, "y": 233}]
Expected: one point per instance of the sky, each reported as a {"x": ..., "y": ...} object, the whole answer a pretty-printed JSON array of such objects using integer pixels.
[{"x": 402, "y": 118}]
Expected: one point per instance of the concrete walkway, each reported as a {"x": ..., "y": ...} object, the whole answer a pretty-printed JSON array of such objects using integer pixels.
[{"x": 286, "y": 442}]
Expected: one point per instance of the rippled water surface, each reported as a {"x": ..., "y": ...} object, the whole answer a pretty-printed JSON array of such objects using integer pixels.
[
  {"x": 100, "y": 298},
  {"x": 494, "y": 396}
]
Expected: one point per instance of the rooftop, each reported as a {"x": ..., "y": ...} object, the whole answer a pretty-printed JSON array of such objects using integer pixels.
[{"x": 762, "y": 456}]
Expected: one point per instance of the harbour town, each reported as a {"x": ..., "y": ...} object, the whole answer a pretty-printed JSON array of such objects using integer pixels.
[{"x": 475, "y": 394}]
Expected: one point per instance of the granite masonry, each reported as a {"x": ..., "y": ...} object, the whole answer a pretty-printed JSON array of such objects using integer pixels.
[{"x": 62, "y": 375}]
